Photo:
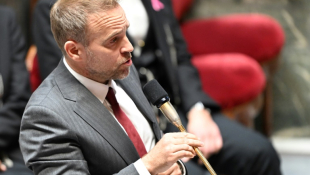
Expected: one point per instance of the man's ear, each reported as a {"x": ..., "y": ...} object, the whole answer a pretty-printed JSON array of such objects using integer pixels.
[{"x": 74, "y": 50}]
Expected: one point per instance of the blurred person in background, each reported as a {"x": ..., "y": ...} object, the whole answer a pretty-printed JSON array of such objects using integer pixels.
[
  {"x": 14, "y": 93},
  {"x": 160, "y": 52}
]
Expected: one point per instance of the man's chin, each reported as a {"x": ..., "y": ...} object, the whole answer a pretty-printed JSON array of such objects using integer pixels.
[{"x": 123, "y": 75}]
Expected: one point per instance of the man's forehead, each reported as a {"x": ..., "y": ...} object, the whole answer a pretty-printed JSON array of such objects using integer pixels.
[
  {"x": 115, "y": 16},
  {"x": 106, "y": 24}
]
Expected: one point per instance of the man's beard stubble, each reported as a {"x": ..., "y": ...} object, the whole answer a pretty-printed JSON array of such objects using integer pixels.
[{"x": 92, "y": 63}]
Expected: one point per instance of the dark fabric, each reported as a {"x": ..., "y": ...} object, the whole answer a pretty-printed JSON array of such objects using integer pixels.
[
  {"x": 176, "y": 70},
  {"x": 16, "y": 88},
  {"x": 48, "y": 51},
  {"x": 19, "y": 167},
  {"x": 22, "y": 9},
  {"x": 244, "y": 152},
  {"x": 126, "y": 123}
]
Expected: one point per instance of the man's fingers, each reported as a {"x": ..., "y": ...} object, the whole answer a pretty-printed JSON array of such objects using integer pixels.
[
  {"x": 185, "y": 159},
  {"x": 172, "y": 147},
  {"x": 184, "y": 135},
  {"x": 191, "y": 142},
  {"x": 169, "y": 171},
  {"x": 173, "y": 170},
  {"x": 176, "y": 170},
  {"x": 183, "y": 147},
  {"x": 180, "y": 154},
  {"x": 185, "y": 138}
]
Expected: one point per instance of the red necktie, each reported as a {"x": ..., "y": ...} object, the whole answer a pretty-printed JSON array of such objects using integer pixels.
[{"x": 126, "y": 123}]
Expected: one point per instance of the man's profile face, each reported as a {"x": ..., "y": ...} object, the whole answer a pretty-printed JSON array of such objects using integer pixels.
[{"x": 108, "y": 52}]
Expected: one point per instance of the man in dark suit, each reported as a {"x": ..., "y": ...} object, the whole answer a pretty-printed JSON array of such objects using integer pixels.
[
  {"x": 162, "y": 53},
  {"x": 90, "y": 116},
  {"x": 14, "y": 92}
]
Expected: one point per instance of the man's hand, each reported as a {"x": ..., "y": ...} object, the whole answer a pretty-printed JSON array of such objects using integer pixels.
[
  {"x": 2, "y": 167},
  {"x": 201, "y": 124},
  {"x": 172, "y": 147},
  {"x": 173, "y": 170}
]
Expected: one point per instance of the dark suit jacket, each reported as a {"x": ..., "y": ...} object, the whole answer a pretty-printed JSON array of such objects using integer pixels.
[
  {"x": 48, "y": 51},
  {"x": 67, "y": 130},
  {"x": 183, "y": 78},
  {"x": 15, "y": 80}
]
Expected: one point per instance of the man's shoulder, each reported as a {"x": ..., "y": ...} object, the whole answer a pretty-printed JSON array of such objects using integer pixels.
[
  {"x": 53, "y": 91},
  {"x": 45, "y": 92}
]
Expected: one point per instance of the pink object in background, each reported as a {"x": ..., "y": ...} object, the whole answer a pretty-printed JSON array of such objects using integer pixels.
[{"x": 157, "y": 5}]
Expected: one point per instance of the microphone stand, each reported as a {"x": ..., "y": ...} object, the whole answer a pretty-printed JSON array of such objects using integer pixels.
[{"x": 168, "y": 110}]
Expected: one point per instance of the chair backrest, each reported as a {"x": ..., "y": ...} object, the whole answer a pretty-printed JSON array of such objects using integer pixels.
[
  {"x": 231, "y": 79},
  {"x": 256, "y": 35}
]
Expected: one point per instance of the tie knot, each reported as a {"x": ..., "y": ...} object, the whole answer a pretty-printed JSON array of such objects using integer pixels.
[{"x": 111, "y": 97}]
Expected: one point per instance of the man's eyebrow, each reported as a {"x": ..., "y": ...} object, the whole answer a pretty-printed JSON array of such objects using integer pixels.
[{"x": 117, "y": 32}]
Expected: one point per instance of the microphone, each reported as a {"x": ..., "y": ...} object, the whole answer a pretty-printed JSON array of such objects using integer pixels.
[{"x": 156, "y": 94}]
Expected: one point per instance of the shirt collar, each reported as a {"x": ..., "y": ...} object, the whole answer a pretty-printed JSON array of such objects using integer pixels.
[{"x": 98, "y": 89}]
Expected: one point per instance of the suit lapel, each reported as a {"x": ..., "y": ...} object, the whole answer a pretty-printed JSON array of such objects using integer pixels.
[
  {"x": 134, "y": 91},
  {"x": 93, "y": 112}
]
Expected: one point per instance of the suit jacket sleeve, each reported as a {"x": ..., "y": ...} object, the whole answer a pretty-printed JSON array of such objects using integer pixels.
[
  {"x": 188, "y": 78},
  {"x": 49, "y": 53},
  {"x": 55, "y": 148},
  {"x": 16, "y": 80}
]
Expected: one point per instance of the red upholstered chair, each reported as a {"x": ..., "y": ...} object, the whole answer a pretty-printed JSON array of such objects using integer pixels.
[
  {"x": 256, "y": 35},
  {"x": 215, "y": 41},
  {"x": 236, "y": 81}
]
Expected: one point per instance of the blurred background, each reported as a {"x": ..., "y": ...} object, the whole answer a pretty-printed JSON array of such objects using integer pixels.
[
  {"x": 290, "y": 115},
  {"x": 290, "y": 125}
]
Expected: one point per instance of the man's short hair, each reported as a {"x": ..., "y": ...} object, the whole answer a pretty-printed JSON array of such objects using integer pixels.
[{"x": 69, "y": 19}]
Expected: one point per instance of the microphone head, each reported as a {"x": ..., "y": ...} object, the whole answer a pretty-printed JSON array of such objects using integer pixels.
[{"x": 155, "y": 93}]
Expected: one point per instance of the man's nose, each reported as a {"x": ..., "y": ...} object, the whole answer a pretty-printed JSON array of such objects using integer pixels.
[{"x": 127, "y": 46}]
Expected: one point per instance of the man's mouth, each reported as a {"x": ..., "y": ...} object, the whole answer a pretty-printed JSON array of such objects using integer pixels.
[{"x": 128, "y": 62}]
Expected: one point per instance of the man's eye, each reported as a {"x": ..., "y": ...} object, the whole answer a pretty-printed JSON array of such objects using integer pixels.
[{"x": 114, "y": 40}]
